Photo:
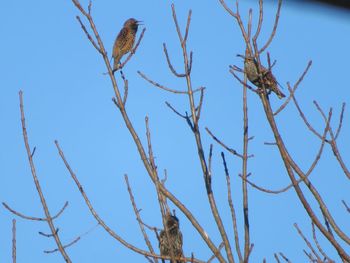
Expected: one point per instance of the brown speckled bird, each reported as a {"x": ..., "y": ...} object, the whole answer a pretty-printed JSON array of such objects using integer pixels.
[
  {"x": 174, "y": 243},
  {"x": 124, "y": 41},
  {"x": 268, "y": 79}
]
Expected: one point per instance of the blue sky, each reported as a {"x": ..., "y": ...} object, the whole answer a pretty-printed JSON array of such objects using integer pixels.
[{"x": 45, "y": 53}]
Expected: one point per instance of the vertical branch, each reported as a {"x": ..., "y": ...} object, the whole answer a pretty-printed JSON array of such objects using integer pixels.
[
  {"x": 198, "y": 139},
  {"x": 142, "y": 228},
  {"x": 232, "y": 209},
  {"x": 37, "y": 184},
  {"x": 14, "y": 241},
  {"x": 244, "y": 171},
  {"x": 137, "y": 141},
  {"x": 290, "y": 166}
]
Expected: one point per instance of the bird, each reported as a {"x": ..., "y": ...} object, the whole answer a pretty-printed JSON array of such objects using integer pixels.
[
  {"x": 267, "y": 79},
  {"x": 170, "y": 240},
  {"x": 124, "y": 41}
]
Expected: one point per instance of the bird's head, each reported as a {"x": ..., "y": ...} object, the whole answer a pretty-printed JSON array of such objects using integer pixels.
[
  {"x": 247, "y": 56},
  {"x": 132, "y": 23},
  {"x": 172, "y": 222}
]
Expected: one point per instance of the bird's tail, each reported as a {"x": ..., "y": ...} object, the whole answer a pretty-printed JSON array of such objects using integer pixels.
[
  {"x": 116, "y": 63},
  {"x": 279, "y": 93}
]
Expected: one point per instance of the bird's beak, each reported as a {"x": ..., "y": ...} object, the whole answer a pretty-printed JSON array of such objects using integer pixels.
[{"x": 139, "y": 22}]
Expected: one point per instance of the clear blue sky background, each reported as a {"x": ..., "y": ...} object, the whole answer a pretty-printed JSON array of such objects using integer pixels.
[{"x": 45, "y": 53}]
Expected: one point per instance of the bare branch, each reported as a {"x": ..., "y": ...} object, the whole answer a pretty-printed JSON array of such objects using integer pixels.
[
  {"x": 88, "y": 35},
  {"x": 34, "y": 218},
  {"x": 169, "y": 63},
  {"x": 292, "y": 91},
  {"x": 318, "y": 244},
  {"x": 232, "y": 209},
  {"x": 234, "y": 152},
  {"x": 74, "y": 241},
  {"x": 340, "y": 121},
  {"x": 276, "y": 257},
  {"x": 242, "y": 82},
  {"x": 346, "y": 206},
  {"x": 213, "y": 256},
  {"x": 138, "y": 217},
  {"x": 199, "y": 107},
  {"x": 274, "y": 30},
  {"x": 14, "y": 246},
  {"x": 284, "y": 257},
  {"x": 37, "y": 183},
  {"x": 186, "y": 117},
  {"x": 261, "y": 17},
  {"x": 163, "y": 87},
  {"x": 187, "y": 25},
  {"x": 307, "y": 242}
]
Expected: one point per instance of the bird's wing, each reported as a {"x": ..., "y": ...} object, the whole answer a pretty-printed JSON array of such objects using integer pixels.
[{"x": 119, "y": 41}]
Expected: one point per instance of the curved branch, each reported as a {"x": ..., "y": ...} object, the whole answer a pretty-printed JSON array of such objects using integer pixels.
[
  {"x": 169, "y": 63},
  {"x": 274, "y": 30},
  {"x": 35, "y": 218},
  {"x": 292, "y": 91},
  {"x": 100, "y": 220},
  {"x": 37, "y": 184}
]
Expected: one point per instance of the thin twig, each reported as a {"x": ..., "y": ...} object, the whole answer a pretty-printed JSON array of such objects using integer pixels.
[
  {"x": 307, "y": 242},
  {"x": 260, "y": 20},
  {"x": 232, "y": 209},
  {"x": 213, "y": 256},
  {"x": 340, "y": 121},
  {"x": 187, "y": 25},
  {"x": 284, "y": 257},
  {"x": 186, "y": 117},
  {"x": 37, "y": 184},
  {"x": 138, "y": 217},
  {"x": 163, "y": 87},
  {"x": 274, "y": 30},
  {"x": 276, "y": 257},
  {"x": 169, "y": 63},
  {"x": 334, "y": 146},
  {"x": 346, "y": 206},
  {"x": 199, "y": 107},
  {"x": 242, "y": 82},
  {"x": 14, "y": 246},
  {"x": 234, "y": 152},
  {"x": 88, "y": 34},
  {"x": 74, "y": 241},
  {"x": 34, "y": 218},
  {"x": 318, "y": 244},
  {"x": 292, "y": 92}
]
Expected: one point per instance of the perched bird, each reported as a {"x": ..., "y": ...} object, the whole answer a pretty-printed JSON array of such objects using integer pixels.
[
  {"x": 124, "y": 41},
  {"x": 268, "y": 79},
  {"x": 171, "y": 243}
]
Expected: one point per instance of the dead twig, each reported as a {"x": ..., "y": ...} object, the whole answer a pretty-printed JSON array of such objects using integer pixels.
[
  {"x": 49, "y": 219},
  {"x": 14, "y": 245},
  {"x": 74, "y": 241},
  {"x": 34, "y": 218}
]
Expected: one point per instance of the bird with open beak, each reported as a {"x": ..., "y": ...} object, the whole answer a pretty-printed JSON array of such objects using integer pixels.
[{"x": 124, "y": 41}]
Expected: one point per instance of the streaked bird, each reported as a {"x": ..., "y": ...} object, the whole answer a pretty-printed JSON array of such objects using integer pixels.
[
  {"x": 124, "y": 41},
  {"x": 171, "y": 243},
  {"x": 267, "y": 79}
]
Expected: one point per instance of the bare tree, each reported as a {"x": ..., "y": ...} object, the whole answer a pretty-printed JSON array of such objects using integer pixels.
[{"x": 239, "y": 247}]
